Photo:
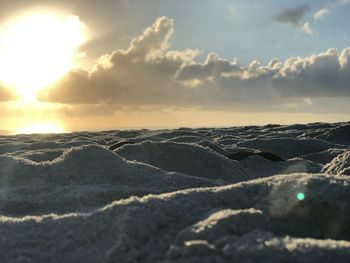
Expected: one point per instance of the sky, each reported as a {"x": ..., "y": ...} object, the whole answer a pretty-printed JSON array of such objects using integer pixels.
[{"x": 118, "y": 64}]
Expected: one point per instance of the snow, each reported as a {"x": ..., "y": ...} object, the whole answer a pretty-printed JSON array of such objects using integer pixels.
[
  {"x": 189, "y": 159},
  {"x": 175, "y": 196},
  {"x": 287, "y": 147},
  {"x": 340, "y": 165},
  {"x": 339, "y": 134}
]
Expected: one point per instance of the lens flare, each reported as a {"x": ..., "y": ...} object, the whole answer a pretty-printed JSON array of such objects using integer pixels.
[{"x": 300, "y": 196}]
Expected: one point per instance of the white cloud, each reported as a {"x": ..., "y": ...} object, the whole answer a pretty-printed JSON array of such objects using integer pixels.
[
  {"x": 307, "y": 29},
  {"x": 148, "y": 73},
  {"x": 321, "y": 13}
]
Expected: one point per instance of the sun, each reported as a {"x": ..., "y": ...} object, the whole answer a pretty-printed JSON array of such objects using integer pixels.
[{"x": 37, "y": 49}]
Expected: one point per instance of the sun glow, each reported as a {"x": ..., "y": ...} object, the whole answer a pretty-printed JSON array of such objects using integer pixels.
[
  {"x": 40, "y": 128},
  {"x": 37, "y": 49}
]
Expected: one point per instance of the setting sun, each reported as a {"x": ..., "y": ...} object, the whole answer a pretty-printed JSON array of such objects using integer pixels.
[{"x": 37, "y": 49}]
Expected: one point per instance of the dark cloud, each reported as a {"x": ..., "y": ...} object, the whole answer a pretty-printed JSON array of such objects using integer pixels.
[
  {"x": 148, "y": 73},
  {"x": 292, "y": 15}
]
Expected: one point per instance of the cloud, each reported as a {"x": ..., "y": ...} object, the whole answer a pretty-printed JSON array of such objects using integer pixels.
[
  {"x": 321, "y": 75},
  {"x": 292, "y": 15},
  {"x": 150, "y": 74},
  {"x": 307, "y": 29},
  {"x": 342, "y": 2},
  {"x": 142, "y": 74},
  {"x": 6, "y": 94},
  {"x": 321, "y": 13}
]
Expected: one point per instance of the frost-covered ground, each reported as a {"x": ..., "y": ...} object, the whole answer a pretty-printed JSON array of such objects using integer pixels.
[{"x": 246, "y": 194}]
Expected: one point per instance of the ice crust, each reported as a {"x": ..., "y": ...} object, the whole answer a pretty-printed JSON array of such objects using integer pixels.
[{"x": 175, "y": 196}]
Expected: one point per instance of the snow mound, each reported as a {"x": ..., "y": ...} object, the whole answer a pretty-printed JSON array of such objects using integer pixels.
[
  {"x": 287, "y": 147},
  {"x": 82, "y": 178},
  {"x": 20, "y": 146},
  {"x": 258, "y": 167},
  {"x": 176, "y": 196},
  {"x": 340, "y": 165},
  {"x": 224, "y": 222},
  {"x": 170, "y": 134},
  {"x": 323, "y": 157},
  {"x": 188, "y": 159},
  {"x": 227, "y": 140},
  {"x": 161, "y": 228},
  {"x": 39, "y": 155},
  {"x": 215, "y": 147},
  {"x": 187, "y": 139},
  {"x": 339, "y": 135},
  {"x": 260, "y": 246}
]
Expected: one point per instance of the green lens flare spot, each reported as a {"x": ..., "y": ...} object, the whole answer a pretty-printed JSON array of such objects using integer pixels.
[{"x": 300, "y": 196}]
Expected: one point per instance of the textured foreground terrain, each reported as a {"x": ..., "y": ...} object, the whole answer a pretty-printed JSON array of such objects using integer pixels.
[{"x": 247, "y": 194}]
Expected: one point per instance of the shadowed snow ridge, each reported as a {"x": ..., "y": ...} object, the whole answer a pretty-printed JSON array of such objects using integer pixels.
[
  {"x": 81, "y": 178},
  {"x": 185, "y": 158},
  {"x": 175, "y": 196}
]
